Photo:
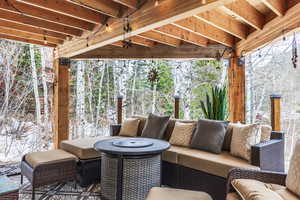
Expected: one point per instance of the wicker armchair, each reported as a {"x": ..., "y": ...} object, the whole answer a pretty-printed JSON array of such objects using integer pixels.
[{"x": 263, "y": 176}]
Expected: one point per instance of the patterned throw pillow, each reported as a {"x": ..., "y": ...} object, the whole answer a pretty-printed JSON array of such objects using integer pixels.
[
  {"x": 243, "y": 137},
  {"x": 293, "y": 177},
  {"x": 182, "y": 134},
  {"x": 265, "y": 133},
  {"x": 129, "y": 127}
]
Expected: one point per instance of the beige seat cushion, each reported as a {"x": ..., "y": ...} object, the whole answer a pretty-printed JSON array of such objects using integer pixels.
[
  {"x": 215, "y": 164},
  {"x": 130, "y": 127},
  {"x": 249, "y": 189},
  {"x": 171, "y": 155},
  {"x": 233, "y": 196},
  {"x": 182, "y": 134},
  {"x": 287, "y": 195},
  {"x": 293, "y": 177},
  {"x": 157, "y": 193},
  {"x": 83, "y": 148},
  {"x": 47, "y": 157}
]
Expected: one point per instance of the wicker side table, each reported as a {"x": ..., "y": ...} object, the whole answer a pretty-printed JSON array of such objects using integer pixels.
[
  {"x": 8, "y": 189},
  {"x": 130, "y": 167}
]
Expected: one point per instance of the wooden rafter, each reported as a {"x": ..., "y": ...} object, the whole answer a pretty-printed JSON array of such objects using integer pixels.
[
  {"x": 29, "y": 36},
  {"x": 17, "y": 7},
  {"x": 224, "y": 22},
  {"x": 147, "y": 18},
  {"x": 182, "y": 34},
  {"x": 128, "y": 3},
  {"x": 19, "y": 18},
  {"x": 30, "y": 29},
  {"x": 277, "y": 6},
  {"x": 206, "y": 30},
  {"x": 19, "y": 39},
  {"x": 104, "y": 6},
  {"x": 142, "y": 41},
  {"x": 68, "y": 8},
  {"x": 246, "y": 12},
  {"x": 271, "y": 30},
  {"x": 161, "y": 38}
]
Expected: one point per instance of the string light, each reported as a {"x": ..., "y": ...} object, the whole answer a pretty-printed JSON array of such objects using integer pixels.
[
  {"x": 156, "y": 3},
  {"x": 108, "y": 28},
  {"x": 45, "y": 40}
]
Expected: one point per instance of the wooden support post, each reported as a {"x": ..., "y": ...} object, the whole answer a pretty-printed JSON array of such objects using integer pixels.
[
  {"x": 176, "y": 106},
  {"x": 61, "y": 101},
  {"x": 236, "y": 90},
  {"x": 119, "y": 109},
  {"x": 276, "y": 112}
]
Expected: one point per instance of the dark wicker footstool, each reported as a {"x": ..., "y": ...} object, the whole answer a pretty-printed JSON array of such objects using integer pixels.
[
  {"x": 43, "y": 168},
  {"x": 8, "y": 189},
  {"x": 130, "y": 167}
]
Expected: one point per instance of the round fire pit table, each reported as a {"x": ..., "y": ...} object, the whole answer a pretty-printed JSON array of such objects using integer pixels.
[{"x": 130, "y": 167}]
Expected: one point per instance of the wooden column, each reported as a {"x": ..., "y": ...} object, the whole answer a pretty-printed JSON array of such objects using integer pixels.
[
  {"x": 61, "y": 100},
  {"x": 236, "y": 89},
  {"x": 276, "y": 112},
  {"x": 119, "y": 109},
  {"x": 176, "y": 106}
]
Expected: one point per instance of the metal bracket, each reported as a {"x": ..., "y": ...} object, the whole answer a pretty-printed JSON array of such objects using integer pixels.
[{"x": 64, "y": 61}]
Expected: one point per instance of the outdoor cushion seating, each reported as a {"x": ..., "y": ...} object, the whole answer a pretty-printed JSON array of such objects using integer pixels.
[
  {"x": 43, "y": 168},
  {"x": 157, "y": 193}
]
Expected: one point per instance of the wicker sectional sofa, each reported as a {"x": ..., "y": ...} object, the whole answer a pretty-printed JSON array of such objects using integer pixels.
[{"x": 183, "y": 167}]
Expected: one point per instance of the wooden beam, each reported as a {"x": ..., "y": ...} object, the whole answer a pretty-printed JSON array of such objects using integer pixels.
[
  {"x": 224, "y": 22},
  {"x": 159, "y": 51},
  {"x": 61, "y": 101},
  {"x": 32, "y": 11},
  {"x": 29, "y": 36},
  {"x": 22, "y": 19},
  {"x": 161, "y": 38},
  {"x": 276, "y": 112},
  {"x": 67, "y": 8},
  {"x": 27, "y": 41},
  {"x": 109, "y": 8},
  {"x": 277, "y": 6},
  {"x": 182, "y": 34},
  {"x": 30, "y": 29},
  {"x": 142, "y": 41},
  {"x": 129, "y": 3},
  {"x": 147, "y": 18},
  {"x": 272, "y": 30},
  {"x": 118, "y": 44},
  {"x": 206, "y": 30},
  {"x": 246, "y": 12},
  {"x": 236, "y": 93}
]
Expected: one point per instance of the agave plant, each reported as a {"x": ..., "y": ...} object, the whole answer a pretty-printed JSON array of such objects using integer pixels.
[{"x": 216, "y": 107}]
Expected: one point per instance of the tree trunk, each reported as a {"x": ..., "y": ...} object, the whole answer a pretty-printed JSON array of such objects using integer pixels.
[{"x": 45, "y": 88}]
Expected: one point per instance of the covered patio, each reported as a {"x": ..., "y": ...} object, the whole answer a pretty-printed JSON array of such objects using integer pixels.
[{"x": 225, "y": 30}]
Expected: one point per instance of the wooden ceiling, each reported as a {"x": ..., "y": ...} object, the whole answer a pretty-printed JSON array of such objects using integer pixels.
[{"x": 81, "y": 28}]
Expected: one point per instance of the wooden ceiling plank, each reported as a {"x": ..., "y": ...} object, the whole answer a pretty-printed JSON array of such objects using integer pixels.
[
  {"x": 224, "y": 22},
  {"x": 32, "y": 11},
  {"x": 118, "y": 44},
  {"x": 146, "y": 18},
  {"x": 247, "y": 13},
  {"x": 142, "y": 41},
  {"x": 22, "y": 19},
  {"x": 67, "y": 8},
  {"x": 20, "y": 39},
  {"x": 29, "y": 36},
  {"x": 277, "y": 6},
  {"x": 129, "y": 3},
  {"x": 30, "y": 29},
  {"x": 206, "y": 30},
  {"x": 106, "y": 7},
  {"x": 161, "y": 38},
  {"x": 182, "y": 34}
]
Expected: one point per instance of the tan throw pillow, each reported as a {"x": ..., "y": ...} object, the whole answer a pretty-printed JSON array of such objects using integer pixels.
[
  {"x": 293, "y": 177},
  {"x": 182, "y": 134},
  {"x": 243, "y": 137},
  {"x": 129, "y": 127},
  {"x": 249, "y": 189},
  {"x": 265, "y": 133}
]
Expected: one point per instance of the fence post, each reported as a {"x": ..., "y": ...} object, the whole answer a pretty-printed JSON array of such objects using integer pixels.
[
  {"x": 276, "y": 112},
  {"x": 119, "y": 109},
  {"x": 176, "y": 106}
]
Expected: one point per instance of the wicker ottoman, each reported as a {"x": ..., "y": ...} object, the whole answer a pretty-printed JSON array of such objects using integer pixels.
[
  {"x": 157, "y": 193},
  {"x": 8, "y": 189},
  {"x": 43, "y": 168}
]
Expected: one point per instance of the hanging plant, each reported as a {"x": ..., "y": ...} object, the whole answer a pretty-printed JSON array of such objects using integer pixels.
[
  {"x": 294, "y": 52},
  {"x": 153, "y": 76}
]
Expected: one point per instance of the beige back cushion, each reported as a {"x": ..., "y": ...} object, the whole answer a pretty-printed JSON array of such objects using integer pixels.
[
  {"x": 293, "y": 177},
  {"x": 130, "y": 127},
  {"x": 265, "y": 133},
  {"x": 182, "y": 134}
]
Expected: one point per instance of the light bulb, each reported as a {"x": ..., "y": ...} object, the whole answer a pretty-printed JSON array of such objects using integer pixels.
[
  {"x": 108, "y": 28},
  {"x": 156, "y": 3}
]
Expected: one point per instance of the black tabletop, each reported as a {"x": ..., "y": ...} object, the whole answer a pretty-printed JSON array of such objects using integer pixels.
[{"x": 132, "y": 146}]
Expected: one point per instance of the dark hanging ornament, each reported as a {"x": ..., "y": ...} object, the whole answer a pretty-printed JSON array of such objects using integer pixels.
[
  {"x": 153, "y": 76},
  {"x": 294, "y": 52},
  {"x": 127, "y": 44}
]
